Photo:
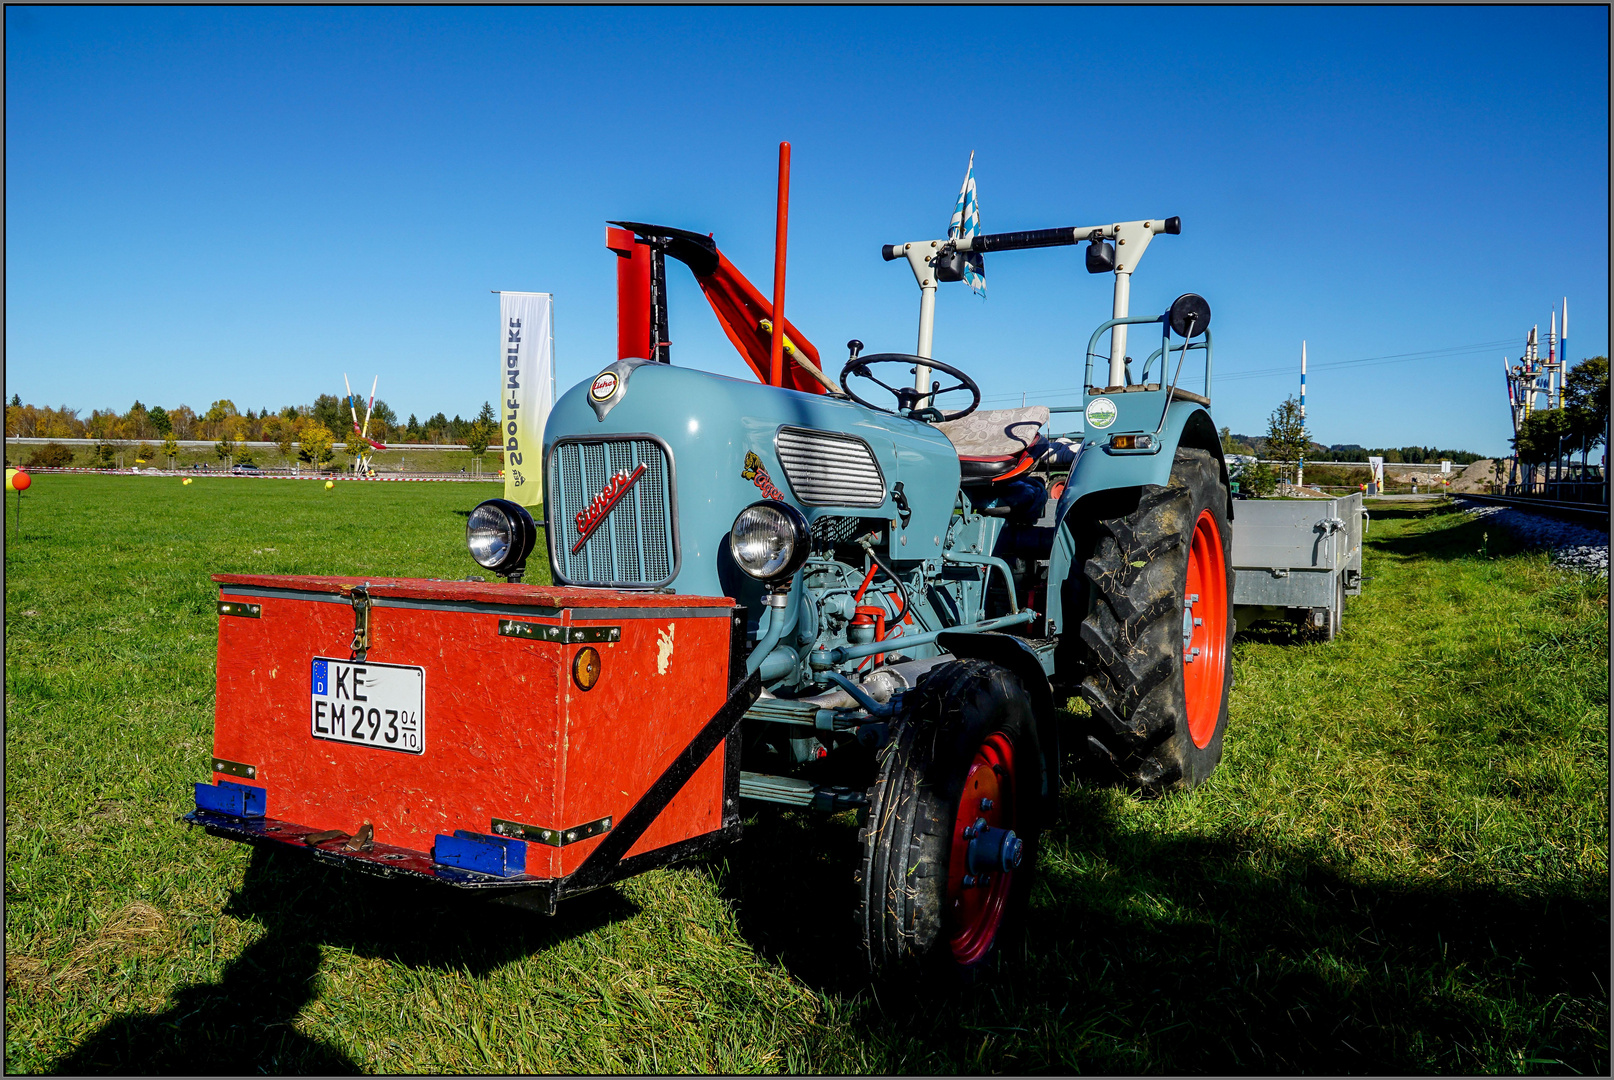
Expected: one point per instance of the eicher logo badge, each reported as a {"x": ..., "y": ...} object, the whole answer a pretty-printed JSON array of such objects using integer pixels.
[
  {"x": 604, "y": 385},
  {"x": 1100, "y": 413},
  {"x": 755, "y": 472},
  {"x": 593, "y": 515}
]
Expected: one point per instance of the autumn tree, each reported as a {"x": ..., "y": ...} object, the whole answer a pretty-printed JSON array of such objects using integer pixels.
[
  {"x": 138, "y": 421},
  {"x": 216, "y": 415},
  {"x": 183, "y": 421},
  {"x": 477, "y": 440},
  {"x": 282, "y": 433},
  {"x": 316, "y": 444}
]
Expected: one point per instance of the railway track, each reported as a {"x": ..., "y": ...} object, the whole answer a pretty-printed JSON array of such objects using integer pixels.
[{"x": 1583, "y": 513}]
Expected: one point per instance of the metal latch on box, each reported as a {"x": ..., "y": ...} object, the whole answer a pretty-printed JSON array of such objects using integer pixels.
[
  {"x": 361, "y": 622},
  {"x": 566, "y": 635},
  {"x": 240, "y": 610}
]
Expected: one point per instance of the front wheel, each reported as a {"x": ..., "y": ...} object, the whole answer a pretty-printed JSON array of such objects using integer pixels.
[
  {"x": 951, "y": 838},
  {"x": 1159, "y": 633}
]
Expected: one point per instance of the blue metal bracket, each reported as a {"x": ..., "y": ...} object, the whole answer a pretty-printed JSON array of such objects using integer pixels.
[
  {"x": 228, "y": 797},
  {"x": 499, "y": 856}
]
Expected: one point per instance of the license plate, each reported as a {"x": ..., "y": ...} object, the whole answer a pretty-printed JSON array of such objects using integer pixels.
[{"x": 378, "y": 705}]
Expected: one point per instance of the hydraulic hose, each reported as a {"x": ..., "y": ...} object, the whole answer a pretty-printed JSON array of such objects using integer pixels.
[{"x": 902, "y": 590}]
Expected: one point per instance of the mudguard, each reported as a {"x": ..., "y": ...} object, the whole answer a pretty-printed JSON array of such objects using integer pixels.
[
  {"x": 1009, "y": 651},
  {"x": 1100, "y": 469}
]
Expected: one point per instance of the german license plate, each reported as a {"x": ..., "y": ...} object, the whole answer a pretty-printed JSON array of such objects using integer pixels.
[{"x": 378, "y": 705}]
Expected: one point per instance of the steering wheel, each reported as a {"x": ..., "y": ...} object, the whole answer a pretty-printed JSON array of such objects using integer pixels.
[{"x": 908, "y": 398}]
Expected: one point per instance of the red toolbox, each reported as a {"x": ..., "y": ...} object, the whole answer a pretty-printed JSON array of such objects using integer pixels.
[{"x": 403, "y": 726}]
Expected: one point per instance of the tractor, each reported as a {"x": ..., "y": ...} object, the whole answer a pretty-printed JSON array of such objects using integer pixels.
[{"x": 860, "y": 593}]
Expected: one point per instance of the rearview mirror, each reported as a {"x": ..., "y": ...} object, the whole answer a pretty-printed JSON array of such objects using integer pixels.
[{"x": 1189, "y": 315}]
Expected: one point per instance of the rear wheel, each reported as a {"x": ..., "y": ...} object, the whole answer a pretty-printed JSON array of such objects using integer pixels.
[
  {"x": 951, "y": 836},
  {"x": 1158, "y": 634}
]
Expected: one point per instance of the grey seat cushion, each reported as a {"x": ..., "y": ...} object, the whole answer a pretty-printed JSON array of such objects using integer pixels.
[{"x": 995, "y": 433}]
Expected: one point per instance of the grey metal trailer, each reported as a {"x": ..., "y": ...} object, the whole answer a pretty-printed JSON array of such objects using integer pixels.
[{"x": 1297, "y": 560}]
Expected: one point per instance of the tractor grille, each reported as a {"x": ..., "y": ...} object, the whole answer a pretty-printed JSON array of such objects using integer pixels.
[
  {"x": 635, "y": 545},
  {"x": 826, "y": 469}
]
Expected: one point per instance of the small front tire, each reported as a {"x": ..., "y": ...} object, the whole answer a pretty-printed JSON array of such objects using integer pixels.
[{"x": 951, "y": 839}]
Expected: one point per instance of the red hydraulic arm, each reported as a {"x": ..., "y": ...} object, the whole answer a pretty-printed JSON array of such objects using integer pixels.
[
  {"x": 632, "y": 294},
  {"x": 744, "y": 313}
]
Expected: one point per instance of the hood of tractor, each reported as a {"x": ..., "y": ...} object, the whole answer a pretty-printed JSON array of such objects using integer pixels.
[{"x": 646, "y": 466}]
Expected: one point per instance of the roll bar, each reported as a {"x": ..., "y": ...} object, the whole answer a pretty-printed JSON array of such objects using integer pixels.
[{"x": 1131, "y": 239}]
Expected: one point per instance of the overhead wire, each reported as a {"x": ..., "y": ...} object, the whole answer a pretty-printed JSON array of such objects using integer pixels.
[{"x": 1448, "y": 353}]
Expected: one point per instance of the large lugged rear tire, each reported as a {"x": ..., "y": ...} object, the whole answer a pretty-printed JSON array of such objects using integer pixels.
[
  {"x": 954, "y": 817},
  {"x": 1159, "y": 631}
]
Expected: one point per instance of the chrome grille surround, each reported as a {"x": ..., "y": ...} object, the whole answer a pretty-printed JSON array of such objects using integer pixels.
[
  {"x": 636, "y": 545},
  {"x": 829, "y": 468}
]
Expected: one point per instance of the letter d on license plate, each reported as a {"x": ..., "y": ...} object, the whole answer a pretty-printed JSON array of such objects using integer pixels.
[{"x": 377, "y": 705}]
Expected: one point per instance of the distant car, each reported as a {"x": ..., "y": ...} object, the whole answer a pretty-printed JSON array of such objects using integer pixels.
[{"x": 239, "y": 470}]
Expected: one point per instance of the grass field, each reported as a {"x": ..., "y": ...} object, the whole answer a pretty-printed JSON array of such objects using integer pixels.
[{"x": 1401, "y": 866}]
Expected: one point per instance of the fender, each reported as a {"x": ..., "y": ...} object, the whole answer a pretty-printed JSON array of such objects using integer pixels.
[
  {"x": 1098, "y": 470},
  {"x": 1013, "y": 653}
]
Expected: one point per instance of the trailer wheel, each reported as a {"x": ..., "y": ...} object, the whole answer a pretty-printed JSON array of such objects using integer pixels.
[
  {"x": 951, "y": 838},
  {"x": 1159, "y": 631}
]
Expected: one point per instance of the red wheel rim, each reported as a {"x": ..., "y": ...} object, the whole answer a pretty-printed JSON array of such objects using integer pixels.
[
  {"x": 975, "y": 911},
  {"x": 1204, "y": 630}
]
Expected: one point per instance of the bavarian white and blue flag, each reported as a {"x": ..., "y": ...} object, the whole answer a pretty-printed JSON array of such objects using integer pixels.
[{"x": 967, "y": 222}]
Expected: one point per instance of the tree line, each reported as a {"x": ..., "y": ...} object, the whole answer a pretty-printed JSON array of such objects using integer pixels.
[
  {"x": 1258, "y": 446},
  {"x": 1545, "y": 436},
  {"x": 317, "y": 432}
]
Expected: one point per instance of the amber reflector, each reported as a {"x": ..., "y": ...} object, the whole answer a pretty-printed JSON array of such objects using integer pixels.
[{"x": 586, "y": 668}]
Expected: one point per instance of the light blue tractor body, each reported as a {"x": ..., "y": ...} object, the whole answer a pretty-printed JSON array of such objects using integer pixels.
[{"x": 914, "y": 560}]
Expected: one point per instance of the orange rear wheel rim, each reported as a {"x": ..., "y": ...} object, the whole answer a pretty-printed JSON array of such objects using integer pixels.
[{"x": 1204, "y": 631}]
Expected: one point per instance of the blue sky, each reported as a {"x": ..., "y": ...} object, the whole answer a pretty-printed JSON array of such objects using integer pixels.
[{"x": 245, "y": 202}]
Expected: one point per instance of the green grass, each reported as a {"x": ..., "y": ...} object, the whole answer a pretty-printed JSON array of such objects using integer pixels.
[{"x": 1401, "y": 866}]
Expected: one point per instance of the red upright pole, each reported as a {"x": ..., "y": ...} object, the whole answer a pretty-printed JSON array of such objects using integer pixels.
[{"x": 776, "y": 354}]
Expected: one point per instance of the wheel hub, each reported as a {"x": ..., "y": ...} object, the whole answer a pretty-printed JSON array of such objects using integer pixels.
[
  {"x": 990, "y": 849},
  {"x": 1190, "y": 652},
  {"x": 985, "y": 850}
]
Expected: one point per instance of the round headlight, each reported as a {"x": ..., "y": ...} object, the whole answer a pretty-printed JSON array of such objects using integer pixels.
[
  {"x": 500, "y": 535},
  {"x": 769, "y": 540}
]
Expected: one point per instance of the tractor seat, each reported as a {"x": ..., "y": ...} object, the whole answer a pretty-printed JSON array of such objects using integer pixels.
[{"x": 996, "y": 444}]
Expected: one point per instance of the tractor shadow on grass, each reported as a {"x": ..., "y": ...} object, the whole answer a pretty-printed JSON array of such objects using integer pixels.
[
  {"x": 1219, "y": 954},
  {"x": 243, "y": 1023}
]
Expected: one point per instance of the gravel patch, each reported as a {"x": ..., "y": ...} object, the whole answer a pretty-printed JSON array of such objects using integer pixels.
[{"x": 1575, "y": 547}]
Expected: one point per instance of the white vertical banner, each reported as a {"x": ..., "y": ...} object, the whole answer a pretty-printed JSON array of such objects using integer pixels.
[{"x": 526, "y": 390}]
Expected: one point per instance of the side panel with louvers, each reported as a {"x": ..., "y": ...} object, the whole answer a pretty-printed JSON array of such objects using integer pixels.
[
  {"x": 636, "y": 546},
  {"x": 829, "y": 469}
]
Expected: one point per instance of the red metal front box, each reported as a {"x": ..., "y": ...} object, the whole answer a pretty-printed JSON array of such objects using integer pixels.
[{"x": 506, "y": 732}]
